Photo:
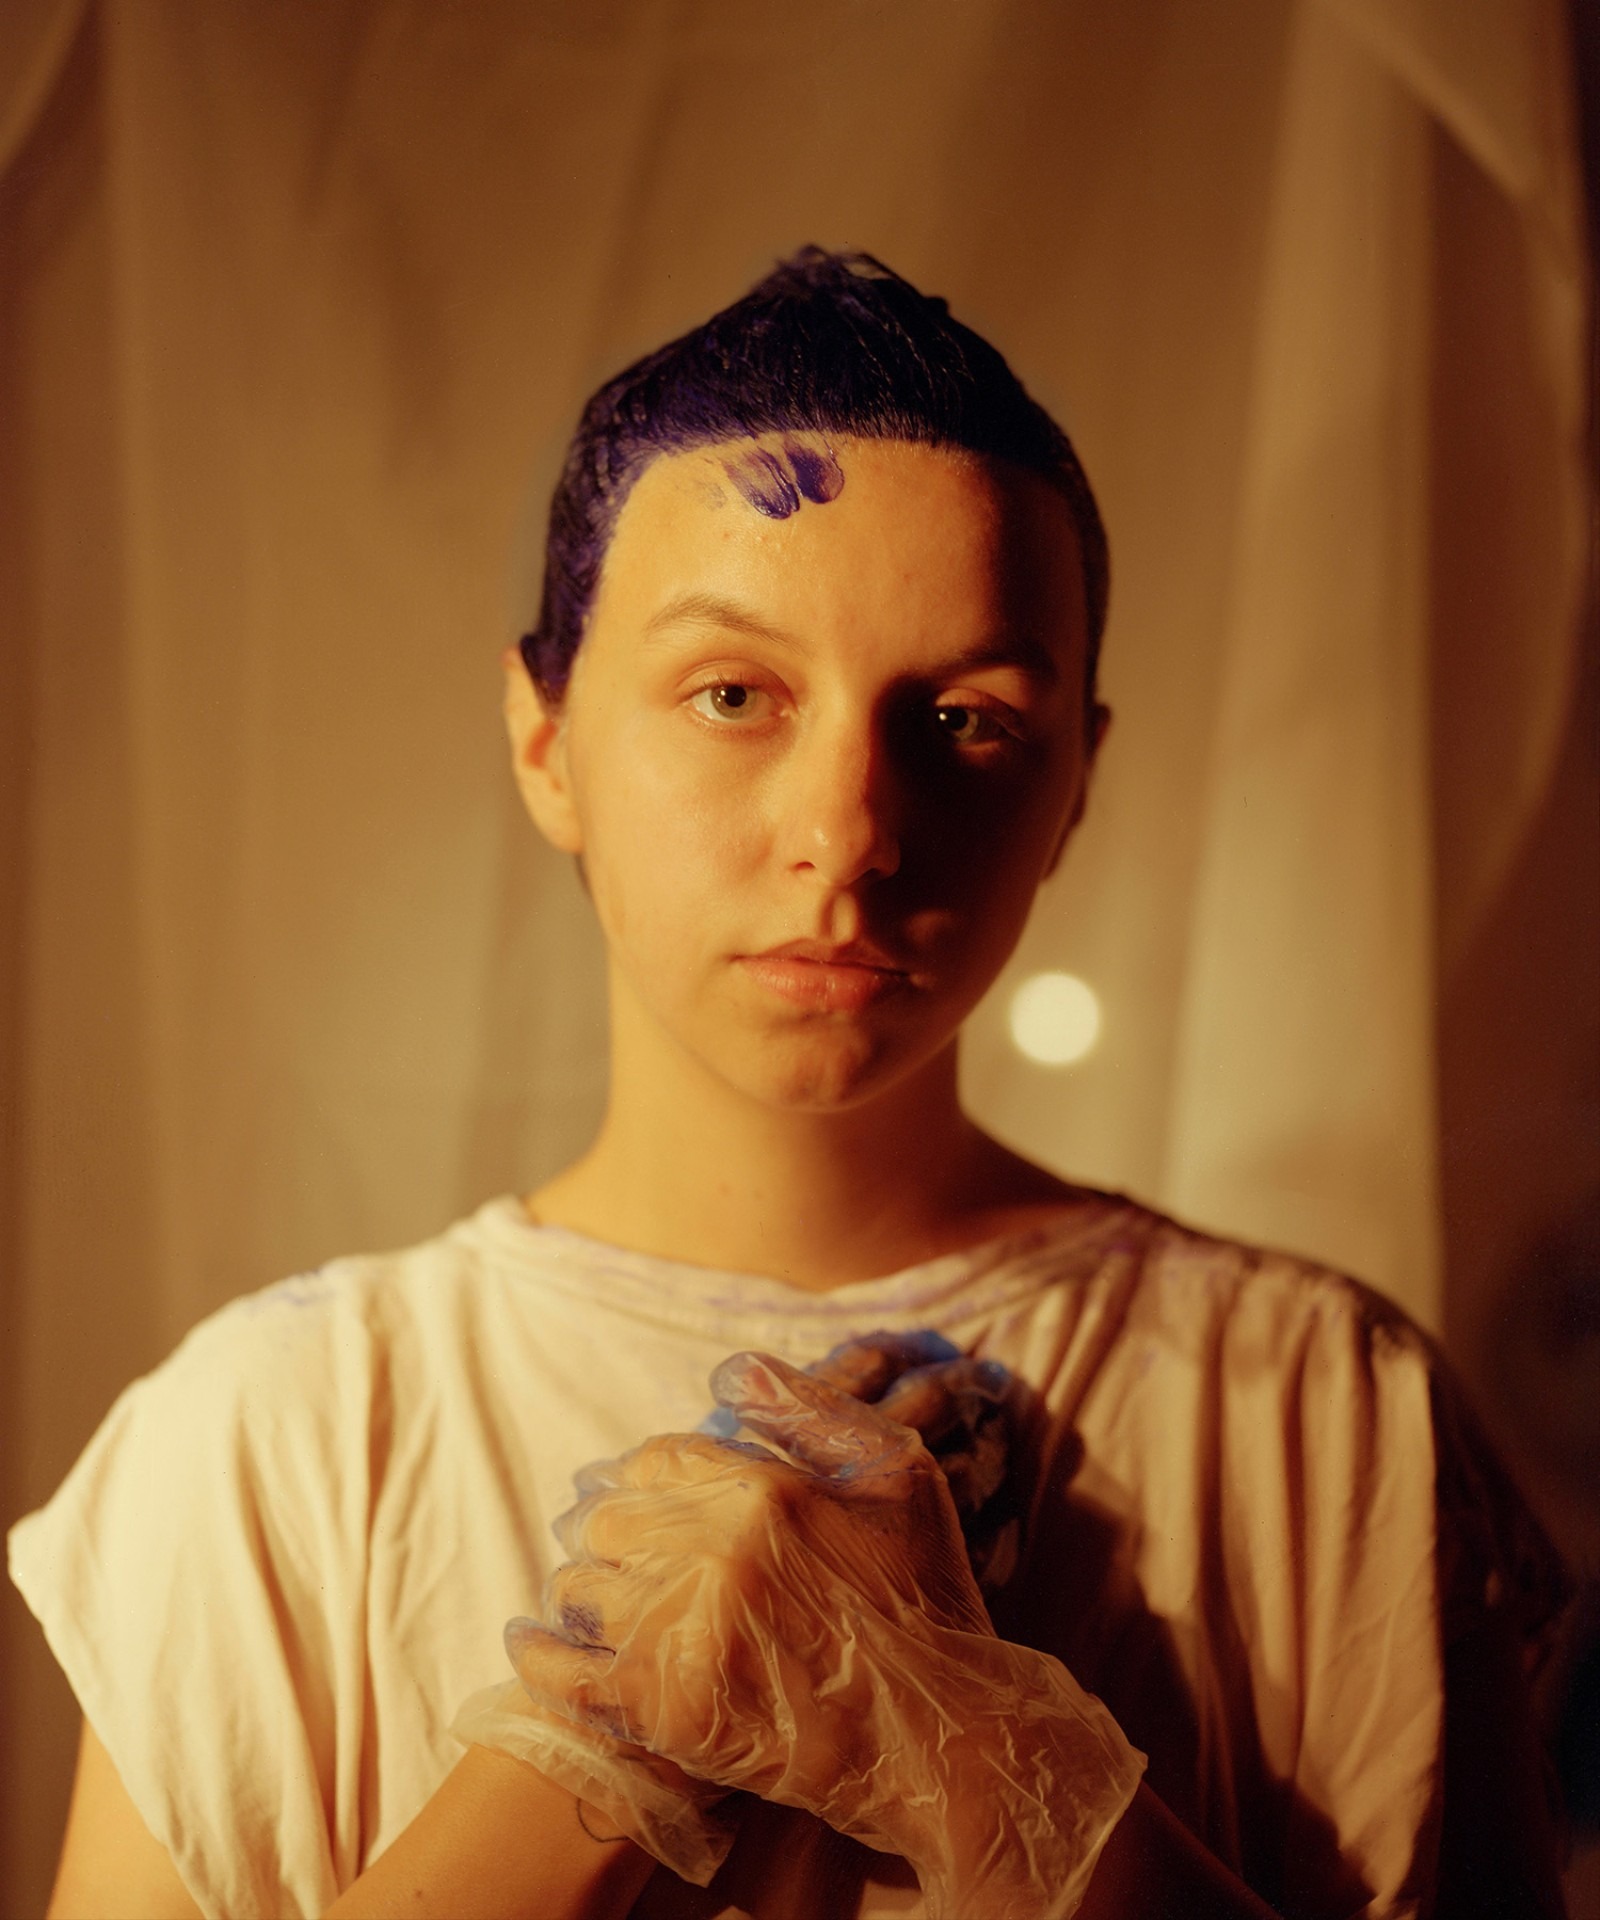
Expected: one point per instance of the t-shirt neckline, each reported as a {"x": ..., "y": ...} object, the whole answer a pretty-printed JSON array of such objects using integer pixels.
[{"x": 966, "y": 1281}]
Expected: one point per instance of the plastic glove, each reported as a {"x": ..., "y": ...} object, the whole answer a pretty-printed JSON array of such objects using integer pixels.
[
  {"x": 967, "y": 1413},
  {"x": 958, "y": 1406},
  {"x": 809, "y": 1629},
  {"x": 687, "y": 1824}
]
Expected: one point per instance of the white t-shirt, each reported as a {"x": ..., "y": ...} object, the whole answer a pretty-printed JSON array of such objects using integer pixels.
[{"x": 286, "y": 1557}]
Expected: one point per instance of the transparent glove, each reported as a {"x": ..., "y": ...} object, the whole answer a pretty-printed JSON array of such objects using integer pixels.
[
  {"x": 808, "y": 1628},
  {"x": 960, "y": 1408},
  {"x": 687, "y": 1824},
  {"x": 966, "y": 1412}
]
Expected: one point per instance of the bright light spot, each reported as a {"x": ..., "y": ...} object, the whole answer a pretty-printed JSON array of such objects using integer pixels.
[{"x": 1055, "y": 1018}]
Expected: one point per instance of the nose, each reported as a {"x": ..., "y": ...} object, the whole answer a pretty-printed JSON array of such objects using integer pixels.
[{"x": 843, "y": 811}]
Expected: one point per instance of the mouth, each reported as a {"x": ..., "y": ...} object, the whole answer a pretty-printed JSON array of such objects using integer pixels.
[{"x": 827, "y": 979}]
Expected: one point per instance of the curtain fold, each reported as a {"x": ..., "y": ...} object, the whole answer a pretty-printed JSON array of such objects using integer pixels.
[
  {"x": 1311, "y": 1117},
  {"x": 297, "y": 308},
  {"x": 35, "y": 39}
]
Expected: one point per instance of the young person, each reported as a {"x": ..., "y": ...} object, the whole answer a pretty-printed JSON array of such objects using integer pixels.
[{"x": 812, "y": 700}]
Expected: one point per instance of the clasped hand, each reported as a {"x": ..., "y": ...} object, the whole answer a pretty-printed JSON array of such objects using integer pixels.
[
  {"x": 794, "y": 1626},
  {"x": 797, "y": 1616}
]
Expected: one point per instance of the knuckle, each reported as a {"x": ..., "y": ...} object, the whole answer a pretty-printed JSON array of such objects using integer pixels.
[
  {"x": 784, "y": 1495},
  {"x": 759, "y": 1502},
  {"x": 862, "y": 1368},
  {"x": 654, "y": 1456},
  {"x": 765, "y": 1502}
]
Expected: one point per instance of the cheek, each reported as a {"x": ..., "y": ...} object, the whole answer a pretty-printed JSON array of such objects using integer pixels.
[
  {"x": 991, "y": 841},
  {"x": 666, "y": 836}
]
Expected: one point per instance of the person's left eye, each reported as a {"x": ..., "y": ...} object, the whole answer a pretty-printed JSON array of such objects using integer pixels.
[{"x": 967, "y": 726}]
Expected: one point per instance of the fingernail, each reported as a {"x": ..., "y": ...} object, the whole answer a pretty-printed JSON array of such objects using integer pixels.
[
  {"x": 520, "y": 1634},
  {"x": 743, "y": 1377},
  {"x": 581, "y": 1623}
]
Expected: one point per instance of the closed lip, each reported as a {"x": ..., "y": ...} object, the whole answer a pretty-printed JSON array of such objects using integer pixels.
[
  {"x": 823, "y": 977},
  {"x": 853, "y": 953}
]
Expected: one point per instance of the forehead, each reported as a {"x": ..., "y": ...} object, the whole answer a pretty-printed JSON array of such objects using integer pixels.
[{"x": 843, "y": 534}]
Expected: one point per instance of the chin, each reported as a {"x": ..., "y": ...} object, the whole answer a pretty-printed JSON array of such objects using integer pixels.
[{"x": 822, "y": 1073}]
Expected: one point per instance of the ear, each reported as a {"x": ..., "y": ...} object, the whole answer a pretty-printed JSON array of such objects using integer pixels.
[
  {"x": 1099, "y": 727},
  {"x": 538, "y": 737}
]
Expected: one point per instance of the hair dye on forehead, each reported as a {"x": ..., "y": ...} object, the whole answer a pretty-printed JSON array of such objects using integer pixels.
[
  {"x": 776, "y": 483},
  {"x": 829, "y": 346}
]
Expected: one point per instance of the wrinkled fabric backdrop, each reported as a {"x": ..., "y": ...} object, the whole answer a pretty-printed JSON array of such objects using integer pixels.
[{"x": 297, "y": 307}]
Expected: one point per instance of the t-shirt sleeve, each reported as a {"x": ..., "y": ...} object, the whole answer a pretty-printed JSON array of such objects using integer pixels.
[
  {"x": 1383, "y": 1534},
  {"x": 199, "y": 1577}
]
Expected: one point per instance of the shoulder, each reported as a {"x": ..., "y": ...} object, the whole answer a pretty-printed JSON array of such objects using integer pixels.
[
  {"x": 255, "y": 1428},
  {"x": 1148, "y": 1289},
  {"x": 1221, "y": 1365},
  {"x": 1285, "y": 1503},
  {"x": 331, "y": 1329},
  {"x": 1317, "y": 1369},
  {"x": 203, "y": 1572},
  {"x": 1249, "y": 1304}
]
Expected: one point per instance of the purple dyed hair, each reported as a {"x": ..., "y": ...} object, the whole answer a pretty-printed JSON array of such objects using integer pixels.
[{"x": 830, "y": 343}]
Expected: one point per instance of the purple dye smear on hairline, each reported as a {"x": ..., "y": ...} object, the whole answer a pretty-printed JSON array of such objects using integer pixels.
[
  {"x": 764, "y": 483},
  {"x": 826, "y": 344},
  {"x": 774, "y": 484},
  {"x": 817, "y": 474}
]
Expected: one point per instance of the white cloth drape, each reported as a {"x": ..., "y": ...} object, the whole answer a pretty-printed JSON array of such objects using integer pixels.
[{"x": 297, "y": 305}]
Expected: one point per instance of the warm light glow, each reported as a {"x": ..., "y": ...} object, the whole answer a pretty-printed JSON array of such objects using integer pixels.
[{"x": 1055, "y": 1018}]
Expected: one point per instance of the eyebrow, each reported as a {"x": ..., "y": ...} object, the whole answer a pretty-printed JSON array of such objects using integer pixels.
[
  {"x": 1024, "y": 652},
  {"x": 710, "y": 610}
]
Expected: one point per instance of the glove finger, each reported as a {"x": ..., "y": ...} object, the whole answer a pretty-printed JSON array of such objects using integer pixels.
[
  {"x": 976, "y": 1472},
  {"x": 575, "y": 1604},
  {"x": 622, "y": 1523},
  {"x": 627, "y": 1524},
  {"x": 814, "y": 1423},
  {"x": 927, "y": 1400},
  {"x": 665, "y": 1459},
  {"x": 643, "y": 1529},
  {"x": 572, "y": 1526},
  {"x": 865, "y": 1366},
  {"x": 942, "y": 1400},
  {"x": 599, "y": 1476},
  {"x": 667, "y": 1462},
  {"x": 574, "y": 1682}
]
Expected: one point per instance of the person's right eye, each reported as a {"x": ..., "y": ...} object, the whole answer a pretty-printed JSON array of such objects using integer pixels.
[{"x": 731, "y": 702}]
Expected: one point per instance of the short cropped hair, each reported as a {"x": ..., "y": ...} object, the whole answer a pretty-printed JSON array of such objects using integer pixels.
[{"x": 828, "y": 343}]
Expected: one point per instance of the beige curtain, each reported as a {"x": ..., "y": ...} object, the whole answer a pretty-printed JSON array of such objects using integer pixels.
[{"x": 297, "y": 304}]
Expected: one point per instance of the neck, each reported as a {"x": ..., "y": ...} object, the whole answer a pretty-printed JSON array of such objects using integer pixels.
[{"x": 689, "y": 1168}]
